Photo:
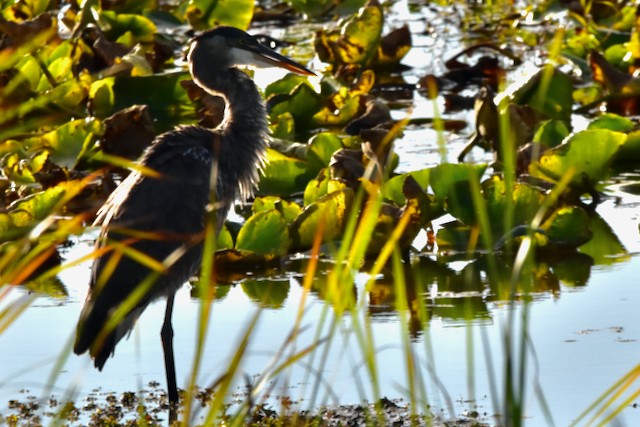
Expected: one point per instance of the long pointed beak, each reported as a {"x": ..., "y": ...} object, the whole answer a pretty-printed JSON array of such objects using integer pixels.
[{"x": 272, "y": 58}]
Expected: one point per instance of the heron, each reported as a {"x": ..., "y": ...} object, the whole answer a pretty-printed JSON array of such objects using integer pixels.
[{"x": 152, "y": 225}]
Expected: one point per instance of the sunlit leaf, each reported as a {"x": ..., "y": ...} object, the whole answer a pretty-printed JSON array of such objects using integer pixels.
[
  {"x": 283, "y": 127},
  {"x": 327, "y": 215},
  {"x": 524, "y": 200},
  {"x": 205, "y": 14},
  {"x": 69, "y": 140},
  {"x": 264, "y": 233},
  {"x": 288, "y": 209},
  {"x": 320, "y": 186},
  {"x": 569, "y": 226},
  {"x": 549, "y": 91},
  {"x": 613, "y": 122},
  {"x": 283, "y": 175},
  {"x": 302, "y": 103},
  {"x": 102, "y": 97},
  {"x": 51, "y": 287},
  {"x": 238, "y": 260},
  {"x": 285, "y": 85},
  {"x": 37, "y": 206},
  {"x": 321, "y": 148},
  {"x": 393, "y": 47},
  {"x": 26, "y": 37},
  {"x": 630, "y": 150},
  {"x": 126, "y": 28},
  {"x": 225, "y": 239},
  {"x": 342, "y": 110},
  {"x": 586, "y": 155},
  {"x": 356, "y": 42},
  {"x": 393, "y": 188},
  {"x": 551, "y": 133}
]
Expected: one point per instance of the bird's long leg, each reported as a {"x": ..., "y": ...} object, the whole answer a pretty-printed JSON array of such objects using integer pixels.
[{"x": 169, "y": 363}]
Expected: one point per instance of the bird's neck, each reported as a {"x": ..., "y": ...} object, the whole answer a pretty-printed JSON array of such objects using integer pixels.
[{"x": 244, "y": 129}]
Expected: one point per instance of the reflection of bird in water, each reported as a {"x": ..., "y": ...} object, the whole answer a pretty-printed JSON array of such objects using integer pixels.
[{"x": 153, "y": 223}]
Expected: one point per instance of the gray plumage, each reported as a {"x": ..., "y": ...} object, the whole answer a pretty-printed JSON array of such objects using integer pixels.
[{"x": 162, "y": 216}]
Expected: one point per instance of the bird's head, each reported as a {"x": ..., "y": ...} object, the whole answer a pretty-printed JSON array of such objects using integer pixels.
[{"x": 226, "y": 47}]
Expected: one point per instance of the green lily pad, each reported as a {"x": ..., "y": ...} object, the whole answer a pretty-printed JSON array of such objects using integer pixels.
[
  {"x": 283, "y": 127},
  {"x": 343, "y": 108},
  {"x": 168, "y": 102},
  {"x": 551, "y": 133},
  {"x": 239, "y": 260},
  {"x": 630, "y": 150},
  {"x": 549, "y": 91},
  {"x": 205, "y": 14},
  {"x": 568, "y": 226},
  {"x": 51, "y": 287},
  {"x": 302, "y": 103},
  {"x": 524, "y": 199},
  {"x": 321, "y": 186},
  {"x": 356, "y": 41},
  {"x": 285, "y": 85},
  {"x": 329, "y": 213},
  {"x": 69, "y": 141},
  {"x": 289, "y": 210},
  {"x": 587, "y": 155},
  {"x": 24, "y": 214},
  {"x": 127, "y": 28},
  {"x": 321, "y": 148},
  {"x": 393, "y": 189},
  {"x": 224, "y": 239},
  {"x": 613, "y": 122},
  {"x": 451, "y": 185},
  {"x": 283, "y": 175},
  {"x": 265, "y": 233}
]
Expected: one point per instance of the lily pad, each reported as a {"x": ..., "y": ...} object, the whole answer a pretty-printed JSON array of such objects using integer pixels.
[
  {"x": 586, "y": 155},
  {"x": 549, "y": 91},
  {"x": 205, "y": 14},
  {"x": 302, "y": 103},
  {"x": 265, "y": 233},
  {"x": 128, "y": 29},
  {"x": 329, "y": 214},
  {"x": 356, "y": 42},
  {"x": 451, "y": 185},
  {"x": 321, "y": 186},
  {"x": 283, "y": 175},
  {"x": 612, "y": 121},
  {"x": 393, "y": 188},
  {"x": 568, "y": 226},
  {"x": 289, "y": 210},
  {"x": 321, "y": 148},
  {"x": 69, "y": 141}
]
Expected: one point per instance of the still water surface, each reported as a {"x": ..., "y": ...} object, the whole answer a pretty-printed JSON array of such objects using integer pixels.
[{"x": 585, "y": 338}]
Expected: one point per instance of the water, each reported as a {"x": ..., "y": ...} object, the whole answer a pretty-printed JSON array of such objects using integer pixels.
[{"x": 585, "y": 339}]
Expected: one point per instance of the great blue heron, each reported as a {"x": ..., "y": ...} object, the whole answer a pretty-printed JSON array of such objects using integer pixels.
[{"x": 153, "y": 224}]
